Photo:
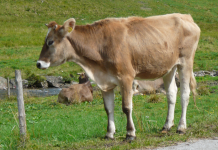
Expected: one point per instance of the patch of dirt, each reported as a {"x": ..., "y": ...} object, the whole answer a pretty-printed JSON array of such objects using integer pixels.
[
  {"x": 146, "y": 9},
  {"x": 200, "y": 144},
  {"x": 144, "y": 6}
]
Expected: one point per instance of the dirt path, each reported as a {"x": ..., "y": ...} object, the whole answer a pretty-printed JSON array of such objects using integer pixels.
[{"x": 199, "y": 144}]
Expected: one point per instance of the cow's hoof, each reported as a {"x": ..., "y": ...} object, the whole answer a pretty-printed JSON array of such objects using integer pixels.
[
  {"x": 181, "y": 132},
  {"x": 165, "y": 130},
  {"x": 130, "y": 138},
  {"x": 108, "y": 138}
]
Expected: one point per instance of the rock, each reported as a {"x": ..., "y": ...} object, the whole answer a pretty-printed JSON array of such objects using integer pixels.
[
  {"x": 43, "y": 84},
  {"x": 203, "y": 73},
  {"x": 199, "y": 74},
  {"x": 3, "y": 83},
  {"x": 25, "y": 83},
  {"x": 54, "y": 81},
  {"x": 13, "y": 83},
  {"x": 214, "y": 73},
  {"x": 207, "y": 72}
]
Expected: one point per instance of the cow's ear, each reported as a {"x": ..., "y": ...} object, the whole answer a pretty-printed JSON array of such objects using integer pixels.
[{"x": 68, "y": 26}]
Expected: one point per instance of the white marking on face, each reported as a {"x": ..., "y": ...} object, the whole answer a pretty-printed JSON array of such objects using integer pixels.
[
  {"x": 44, "y": 65},
  {"x": 49, "y": 30}
]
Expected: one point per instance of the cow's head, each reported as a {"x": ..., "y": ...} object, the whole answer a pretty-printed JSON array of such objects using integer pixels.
[
  {"x": 135, "y": 87},
  {"x": 54, "y": 49}
]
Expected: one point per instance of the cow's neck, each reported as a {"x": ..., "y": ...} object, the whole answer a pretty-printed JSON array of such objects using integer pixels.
[
  {"x": 85, "y": 56},
  {"x": 85, "y": 42}
]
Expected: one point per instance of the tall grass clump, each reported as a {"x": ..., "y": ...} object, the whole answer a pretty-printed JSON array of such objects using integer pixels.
[
  {"x": 203, "y": 89},
  {"x": 155, "y": 98},
  {"x": 34, "y": 79}
]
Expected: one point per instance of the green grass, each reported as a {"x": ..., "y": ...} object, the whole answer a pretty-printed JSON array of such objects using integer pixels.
[
  {"x": 22, "y": 29},
  {"x": 22, "y": 22},
  {"x": 25, "y": 58},
  {"x": 83, "y": 126}
]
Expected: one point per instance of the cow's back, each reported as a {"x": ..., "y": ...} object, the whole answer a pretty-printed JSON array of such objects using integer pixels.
[
  {"x": 142, "y": 47},
  {"x": 157, "y": 43}
]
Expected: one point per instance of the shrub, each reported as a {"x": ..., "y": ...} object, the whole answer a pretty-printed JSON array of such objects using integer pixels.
[
  {"x": 203, "y": 89},
  {"x": 154, "y": 98},
  {"x": 34, "y": 79}
]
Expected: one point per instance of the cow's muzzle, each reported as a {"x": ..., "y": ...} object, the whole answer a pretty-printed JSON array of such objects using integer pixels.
[
  {"x": 38, "y": 65},
  {"x": 42, "y": 64}
]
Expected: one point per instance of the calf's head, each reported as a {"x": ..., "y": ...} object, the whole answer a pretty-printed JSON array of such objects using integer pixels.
[{"x": 54, "y": 49}]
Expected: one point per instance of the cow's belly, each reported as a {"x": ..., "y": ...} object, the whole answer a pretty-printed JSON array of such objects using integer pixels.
[
  {"x": 105, "y": 80},
  {"x": 151, "y": 75},
  {"x": 155, "y": 67}
]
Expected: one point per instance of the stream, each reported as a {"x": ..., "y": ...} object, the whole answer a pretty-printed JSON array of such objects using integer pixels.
[{"x": 42, "y": 92}]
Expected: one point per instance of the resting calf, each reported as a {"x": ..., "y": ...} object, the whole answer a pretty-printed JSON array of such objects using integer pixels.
[{"x": 77, "y": 93}]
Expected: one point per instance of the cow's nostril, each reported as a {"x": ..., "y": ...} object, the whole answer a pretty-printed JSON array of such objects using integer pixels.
[{"x": 38, "y": 65}]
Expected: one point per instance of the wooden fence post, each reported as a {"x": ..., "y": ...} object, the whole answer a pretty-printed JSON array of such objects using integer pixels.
[
  {"x": 8, "y": 87},
  {"x": 20, "y": 104}
]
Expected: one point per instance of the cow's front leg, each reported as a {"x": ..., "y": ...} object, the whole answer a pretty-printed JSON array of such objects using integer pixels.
[
  {"x": 109, "y": 108},
  {"x": 126, "y": 90}
]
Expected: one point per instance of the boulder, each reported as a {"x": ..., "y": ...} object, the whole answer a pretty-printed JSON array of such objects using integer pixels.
[
  {"x": 214, "y": 73},
  {"x": 54, "y": 81},
  {"x": 3, "y": 83},
  {"x": 199, "y": 74},
  {"x": 13, "y": 83},
  {"x": 43, "y": 84},
  {"x": 25, "y": 83},
  {"x": 203, "y": 73}
]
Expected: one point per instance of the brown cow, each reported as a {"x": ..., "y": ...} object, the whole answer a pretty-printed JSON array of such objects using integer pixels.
[
  {"x": 76, "y": 93},
  {"x": 114, "y": 51},
  {"x": 148, "y": 87},
  {"x": 83, "y": 78}
]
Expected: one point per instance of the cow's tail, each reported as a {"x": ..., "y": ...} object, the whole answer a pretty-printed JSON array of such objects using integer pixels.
[{"x": 193, "y": 86}]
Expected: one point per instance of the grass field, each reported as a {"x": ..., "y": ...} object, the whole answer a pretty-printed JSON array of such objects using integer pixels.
[
  {"x": 22, "y": 29},
  {"x": 55, "y": 126},
  {"x": 83, "y": 126}
]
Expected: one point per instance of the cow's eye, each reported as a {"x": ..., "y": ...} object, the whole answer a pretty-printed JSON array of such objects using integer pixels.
[
  {"x": 50, "y": 43},
  {"x": 137, "y": 87}
]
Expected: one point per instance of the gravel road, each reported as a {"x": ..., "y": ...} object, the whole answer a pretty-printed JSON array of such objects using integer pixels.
[{"x": 199, "y": 144}]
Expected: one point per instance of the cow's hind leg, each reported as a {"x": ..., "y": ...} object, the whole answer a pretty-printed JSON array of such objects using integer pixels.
[
  {"x": 127, "y": 93},
  {"x": 171, "y": 91},
  {"x": 185, "y": 73},
  {"x": 109, "y": 108}
]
